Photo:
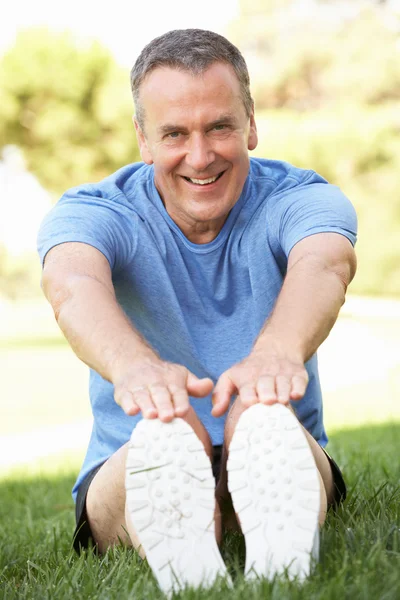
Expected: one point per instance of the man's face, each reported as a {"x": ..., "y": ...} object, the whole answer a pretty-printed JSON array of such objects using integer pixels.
[{"x": 197, "y": 135}]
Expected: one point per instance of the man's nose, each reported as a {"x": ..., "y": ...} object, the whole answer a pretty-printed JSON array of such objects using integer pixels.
[{"x": 200, "y": 154}]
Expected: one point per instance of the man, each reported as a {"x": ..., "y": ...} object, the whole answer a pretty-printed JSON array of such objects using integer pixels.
[{"x": 196, "y": 282}]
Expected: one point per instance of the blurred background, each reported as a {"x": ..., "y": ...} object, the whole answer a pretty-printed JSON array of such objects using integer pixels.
[{"x": 326, "y": 83}]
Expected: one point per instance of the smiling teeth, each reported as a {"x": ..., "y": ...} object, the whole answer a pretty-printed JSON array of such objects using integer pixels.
[{"x": 203, "y": 181}]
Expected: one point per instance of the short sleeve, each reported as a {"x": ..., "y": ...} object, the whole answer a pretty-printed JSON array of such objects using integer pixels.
[
  {"x": 313, "y": 206},
  {"x": 84, "y": 215}
]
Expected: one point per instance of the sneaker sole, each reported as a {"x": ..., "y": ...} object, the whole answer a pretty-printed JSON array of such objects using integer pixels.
[
  {"x": 275, "y": 490},
  {"x": 170, "y": 491}
]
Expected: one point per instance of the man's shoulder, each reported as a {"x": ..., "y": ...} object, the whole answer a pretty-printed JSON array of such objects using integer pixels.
[
  {"x": 278, "y": 187},
  {"x": 281, "y": 174},
  {"x": 127, "y": 178},
  {"x": 121, "y": 184}
]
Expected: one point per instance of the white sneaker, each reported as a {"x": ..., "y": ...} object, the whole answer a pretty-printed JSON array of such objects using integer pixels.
[
  {"x": 170, "y": 491},
  {"x": 275, "y": 490}
]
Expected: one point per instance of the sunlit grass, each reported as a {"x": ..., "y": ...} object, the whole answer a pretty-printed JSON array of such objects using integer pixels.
[
  {"x": 360, "y": 545},
  {"x": 44, "y": 384}
]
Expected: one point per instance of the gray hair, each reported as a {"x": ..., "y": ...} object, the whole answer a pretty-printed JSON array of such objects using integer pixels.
[{"x": 192, "y": 50}]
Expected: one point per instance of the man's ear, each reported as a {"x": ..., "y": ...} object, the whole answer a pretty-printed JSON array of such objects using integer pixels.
[
  {"x": 253, "y": 136},
  {"x": 143, "y": 147}
]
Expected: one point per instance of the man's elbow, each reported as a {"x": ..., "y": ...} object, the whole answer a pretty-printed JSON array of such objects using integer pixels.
[
  {"x": 345, "y": 268},
  {"x": 58, "y": 289}
]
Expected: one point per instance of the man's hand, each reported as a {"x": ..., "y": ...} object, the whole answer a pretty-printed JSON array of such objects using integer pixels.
[
  {"x": 158, "y": 389},
  {"x": 264, "y": 376}
]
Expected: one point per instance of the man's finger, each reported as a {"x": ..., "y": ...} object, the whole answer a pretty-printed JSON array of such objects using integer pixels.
[
  {"x": 141, "y": 397},
  {"x": 198, "y": 387},
  {"x": 266, "y": 389},
  {"x": 283, "y": 385},
  {"x": 248, "y": 395},
  {"x": 180, "y": 400},
  {"x": 223, "y": 392},
  {"x": 161, "y": 398},
  {"x": 299, "y": 386},
  {"x": 128, "y": 405}
]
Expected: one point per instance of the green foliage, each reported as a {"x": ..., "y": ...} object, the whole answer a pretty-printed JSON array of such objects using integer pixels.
[
  {"x": 326, "y": 85},
  {"x": 358, "y": 150},
  {"x": 68, "y": 107},
  {"x": 359, "y": 557},
  {"x": 331, "y": 57},
  {"x": 334, "y": 76}
]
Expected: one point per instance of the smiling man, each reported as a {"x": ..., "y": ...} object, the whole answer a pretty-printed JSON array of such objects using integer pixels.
[
  {"x": 198, "y": 285},
  {"x": 197, "y": 134}
]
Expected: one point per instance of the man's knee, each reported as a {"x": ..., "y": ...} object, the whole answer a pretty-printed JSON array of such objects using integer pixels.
[{"x": 105, "y": 502}]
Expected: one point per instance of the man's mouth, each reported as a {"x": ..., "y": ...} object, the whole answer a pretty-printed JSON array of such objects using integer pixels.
[{"x": 204, "y": 181}]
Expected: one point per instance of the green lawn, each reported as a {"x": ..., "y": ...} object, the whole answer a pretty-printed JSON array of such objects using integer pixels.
[
  {"x": 44, "y": 384},
  {"x": 360, "y": 546}
]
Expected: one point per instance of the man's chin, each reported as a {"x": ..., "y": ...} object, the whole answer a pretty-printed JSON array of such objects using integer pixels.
[{"x": 211, "y": 217}]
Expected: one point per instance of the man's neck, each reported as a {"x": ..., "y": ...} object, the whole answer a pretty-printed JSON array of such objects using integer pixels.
[{"x": 201, "y": 233}]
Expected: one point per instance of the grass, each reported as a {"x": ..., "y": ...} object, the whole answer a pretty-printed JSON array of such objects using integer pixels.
[
  {"x": 360, "y": 545},
  {"x": 44, "y": 384}
]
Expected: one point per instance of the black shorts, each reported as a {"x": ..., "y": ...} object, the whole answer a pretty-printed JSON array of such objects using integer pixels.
[{"x": 83, "y": 536}]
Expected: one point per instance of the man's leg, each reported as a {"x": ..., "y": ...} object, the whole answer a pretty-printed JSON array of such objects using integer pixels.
[
  {"x": 267, "y": 479},
  {"x": 106, "y": 498}
]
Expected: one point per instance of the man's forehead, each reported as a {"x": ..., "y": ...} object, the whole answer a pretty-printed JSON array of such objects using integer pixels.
[
  {"x": 173, "y": 98},
  {"x": 169, "y": 72}
]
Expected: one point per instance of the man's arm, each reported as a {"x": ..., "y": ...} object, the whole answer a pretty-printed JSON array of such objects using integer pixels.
[
  {"x": 77, "y": 282},
  {"x": 320, "y": 267}
]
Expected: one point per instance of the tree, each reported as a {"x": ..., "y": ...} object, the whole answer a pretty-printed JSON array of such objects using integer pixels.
[
  {"x": 68, "y": 107},
  {"x": 315, "y": 54}
]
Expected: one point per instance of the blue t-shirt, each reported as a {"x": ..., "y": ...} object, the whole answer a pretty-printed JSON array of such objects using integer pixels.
[{"x": 201, "y": 306}]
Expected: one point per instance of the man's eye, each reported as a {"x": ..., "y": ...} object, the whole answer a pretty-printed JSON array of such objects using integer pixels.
[
  {"x": 173, "y": 135},
  {"x": 219, "y": 127}
]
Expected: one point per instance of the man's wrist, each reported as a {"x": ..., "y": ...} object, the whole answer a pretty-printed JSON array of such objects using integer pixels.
[
  {"x": 270, "y": 342},
  {"x": 131, "y": 360}
]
